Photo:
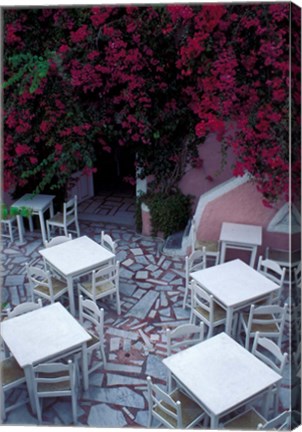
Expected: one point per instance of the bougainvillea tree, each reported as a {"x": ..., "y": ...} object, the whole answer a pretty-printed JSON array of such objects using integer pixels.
[{"x": 158, "y": 79}]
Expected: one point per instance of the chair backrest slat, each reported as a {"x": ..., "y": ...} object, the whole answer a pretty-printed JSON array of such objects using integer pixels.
[
  {"x": 23, "y": 308},
  {"x": 183, "y": 336}
]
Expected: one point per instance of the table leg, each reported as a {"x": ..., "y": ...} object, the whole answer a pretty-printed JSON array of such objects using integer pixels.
[
  {"x": 85, "y": 367},
  {"x": 229, "y": 320},
  {"x": 20, "y": 229},
  {"x": 28, "y": 372},
  {"x": 214, "y": 421},
  {"x": 253, "y": 256},
  {"x": 30, "y": 222},
  {"x": 71, "y": 295},
  {"x": 42, "y": 224},
  {"x": 222, "y": 253},
  {"x": 51, "y": 210},
  {"x": 266, "y": 401}
]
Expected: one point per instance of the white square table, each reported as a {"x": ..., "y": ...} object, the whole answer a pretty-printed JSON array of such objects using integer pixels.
[
  {"x": 41, "y": 335},
  {"x": 240, "y": 236},
  {"x": 39, "y": 204},
  {"x": 221, "y": 375},
  {"x": 234, "y": 285},
  {"x": 76, "y": 258}
]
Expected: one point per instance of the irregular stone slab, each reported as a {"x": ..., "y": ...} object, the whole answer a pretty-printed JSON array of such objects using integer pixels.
[
  {"x": 165, "y": 312},
  {"x": 102, "y": 415},
  {"x": 142, "y": 308},
  {"x": 141, "y": 260},
  {"x": 163, "y": 300},
  {"x": 32, "y": 246},
  {"x": 141, "y": 275},
  {"x": 137, "y": 251},
  {"x": 114, "y": 343},
  {"x": 139, "y": 293},
  {"x": 14, "y": 280},
  {"x": 127, "y": 274},
  {"x": 151, "y": 267},
  {"x": 120, "y": 396},
  {"x": 144, "y": 285},
  {"x": 136, "y": 267},
  {"x": 169, "y": 276},
  {"x": 155, "y": 368},
  {"x": 123, "y": 380},
  {"x": 127, "y": 289},
  {"x": 123, "y": 368},
  {"x": 181, "y": 313},
  {"x": 156, "y": 274},
  {"x": 128, "y": 262},
  {"x": 123, "y": 333},
  {"x": 121, "y": 256}
]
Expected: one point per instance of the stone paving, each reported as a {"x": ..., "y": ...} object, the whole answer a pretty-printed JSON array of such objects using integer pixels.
[
  {"x": 152, "y": 288},
  {"x": 107, "y": 206}
]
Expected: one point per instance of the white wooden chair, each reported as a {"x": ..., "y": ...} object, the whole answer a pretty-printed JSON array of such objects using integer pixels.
[
  {"x": 23, "y": 308},
  {"x": 103, "y": 282},
  {"x": 44, "y": 285},
  {"x": 268, "y": 320},
  {"x": 204, "y": 308},
  {"x": 55, "y": 380},
  {"x": 92, "y": 318},
  {"x": 269, "y": 352},
  {"x": 212, "y": 247},
  {"x": 12, "y": 376},
  {"x": 182, "y": 337},
  {"x": 251, "y": 419},
  {"x": 195, "y": 261},
  {"x": 9, "y": 227},
  {"x": 57, "y": 240},
  {"x": 273, "y": 271},
  {"x": 64, "y": 220},
  {"x": 175, "y": 410},
  {"x": 108, "y": 242}
]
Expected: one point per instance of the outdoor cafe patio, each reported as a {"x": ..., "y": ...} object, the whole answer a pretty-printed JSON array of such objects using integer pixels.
[{"x": 218, "y": 373}]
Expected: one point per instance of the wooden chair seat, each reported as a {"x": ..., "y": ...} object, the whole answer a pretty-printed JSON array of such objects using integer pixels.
[
  {"x": 11, "y": 371},
  {"x": 211, "y": 246},
  {"x": 246, "y": 421},
  {"x": 219, "y": 312},
  {"x": 190, "y": 410},
  {"x": 99, "y": 289},
  {"x": 57, "y": 286}
]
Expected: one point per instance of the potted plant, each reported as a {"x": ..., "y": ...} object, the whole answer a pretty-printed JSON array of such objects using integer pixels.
[
  {"x": 164, "y": 209},
  {"x": 8, "y": 212}
]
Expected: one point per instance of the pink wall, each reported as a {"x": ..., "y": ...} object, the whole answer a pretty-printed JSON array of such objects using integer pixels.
[
  {"x": 241, "y": 205},
  {"x": 195, "y": 181}
]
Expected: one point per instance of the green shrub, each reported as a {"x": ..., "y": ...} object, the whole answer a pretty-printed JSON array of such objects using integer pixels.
[{"x": 169, "y": 212}]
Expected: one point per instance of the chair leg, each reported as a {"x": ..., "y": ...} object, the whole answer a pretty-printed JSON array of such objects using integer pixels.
[
  {"x": 10, "y": 229},
  {"x": 77, "y": 228},
  {"x": 118, "y": 303},
  {"x": 74, "y": 408},
  {"x": 48, "y": 230},
  {"x": 38, "y": 409},
  {"x": 3, "y": 413},
  {"x": 185, "y": 298}
]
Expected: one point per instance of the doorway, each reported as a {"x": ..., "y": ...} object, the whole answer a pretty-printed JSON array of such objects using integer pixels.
[{"x": 112, "y": 169}]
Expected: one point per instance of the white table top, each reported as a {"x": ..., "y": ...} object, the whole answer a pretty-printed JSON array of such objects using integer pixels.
[
  {"x": 220, "y": 373},
  {"x": 42, "y": 334},
  {"x": 234, "y": 282},
  {"x": 241, "y": 233},
  {"x": 37, "y": 202},
  {"x": 76, "y": 256}
]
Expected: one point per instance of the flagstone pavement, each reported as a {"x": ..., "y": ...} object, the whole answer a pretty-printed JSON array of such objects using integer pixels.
[{"x": 152, "y": 287}]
